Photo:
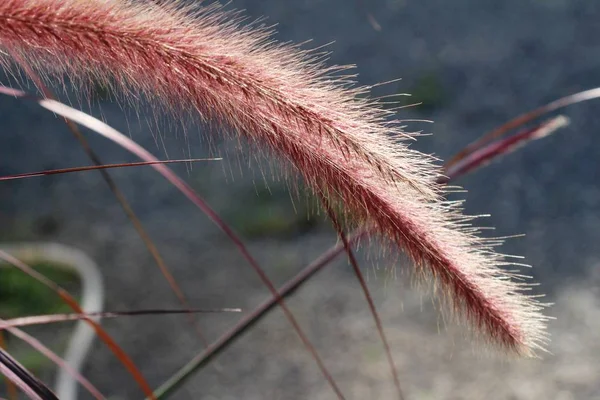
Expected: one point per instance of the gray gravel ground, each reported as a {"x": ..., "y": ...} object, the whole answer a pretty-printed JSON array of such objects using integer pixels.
[{"x": 476, "y": 64}]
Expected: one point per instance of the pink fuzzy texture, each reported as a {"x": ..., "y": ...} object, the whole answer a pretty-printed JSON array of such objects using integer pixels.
[{"x": 281, "y": 99}]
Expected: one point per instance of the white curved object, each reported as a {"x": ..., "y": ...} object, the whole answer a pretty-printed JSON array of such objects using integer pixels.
[{"x": 92, "y": 300}]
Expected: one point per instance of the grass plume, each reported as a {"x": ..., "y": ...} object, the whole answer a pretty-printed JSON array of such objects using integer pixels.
[{"x": 285, "y": 101}]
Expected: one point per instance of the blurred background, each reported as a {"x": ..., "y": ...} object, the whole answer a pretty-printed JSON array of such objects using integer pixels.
[{"x": 473, "y": 65}]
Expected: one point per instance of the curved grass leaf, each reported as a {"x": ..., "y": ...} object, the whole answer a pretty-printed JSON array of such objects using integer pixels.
[
  {"x": 487, "y": 152},
  {"x": 522, "y": 119},
  {"x": 365, "y": 289}
]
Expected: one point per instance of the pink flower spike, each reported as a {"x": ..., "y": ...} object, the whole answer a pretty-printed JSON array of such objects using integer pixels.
[{"x": 286, "y": 102}]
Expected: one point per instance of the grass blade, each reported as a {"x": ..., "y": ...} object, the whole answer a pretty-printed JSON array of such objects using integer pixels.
[
  {"x": 488, "y": 152},
  {"x": 53, "y": 318},
  {"x": 11, "y": 389},
  {"x": 522, "y": 119},
  {"x": 365, "y": 289},
  {"x": 29, "y": 384},
  {"x": 98, "y": 167}
]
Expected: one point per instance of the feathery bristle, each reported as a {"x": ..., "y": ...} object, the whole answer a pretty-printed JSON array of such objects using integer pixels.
[{"x": 284, "y": 100}]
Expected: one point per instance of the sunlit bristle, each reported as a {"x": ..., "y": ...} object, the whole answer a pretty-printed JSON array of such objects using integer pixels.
[{"x": 285, "y": 102}]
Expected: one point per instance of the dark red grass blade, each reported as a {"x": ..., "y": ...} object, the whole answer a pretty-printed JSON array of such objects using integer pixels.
[
  {"x": 71, "y": 302},
  {"x": 137, "y": 224},
  {"x": 37, "y": 345},
  {"x": 110, "y": 133},
  {"x": 525, "y": 118},
  {"x": 252, "y": 318},
  {"x": 486, "y": 153},
  {"x": 29, "y": 384},
  {"x": 11, "y": 389},
  {"x": 53, "y": 318},
  {"x": 366, "y": 292},
  {"x": 99, "y": 167}
]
